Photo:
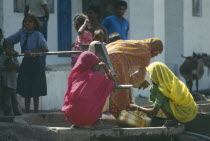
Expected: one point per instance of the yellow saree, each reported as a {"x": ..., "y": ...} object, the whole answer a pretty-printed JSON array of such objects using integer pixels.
[{"x": 181, "y": 101}]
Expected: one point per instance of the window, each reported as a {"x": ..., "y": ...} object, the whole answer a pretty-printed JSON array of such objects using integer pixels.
[
  {"x": 196, "y": 8},
  {"x": 19, "y": 6}
]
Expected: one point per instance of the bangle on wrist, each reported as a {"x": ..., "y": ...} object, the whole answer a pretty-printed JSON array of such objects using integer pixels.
[
  {"x": 108, "y": 74},
  {"x": 138, "y": 108},
  {"x": 83, "y": 26}
]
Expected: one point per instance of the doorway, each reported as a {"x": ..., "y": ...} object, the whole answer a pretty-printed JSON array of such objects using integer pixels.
[{"x": 64, "y": 25}]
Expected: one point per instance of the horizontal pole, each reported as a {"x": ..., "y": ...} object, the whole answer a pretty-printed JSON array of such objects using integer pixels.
[
  {"x": 123, "y": 86},
  {"x": 52, "y": 53}
]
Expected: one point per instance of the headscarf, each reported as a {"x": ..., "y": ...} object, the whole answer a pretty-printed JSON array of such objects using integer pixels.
[
  {"x": 155, "y": 44},
  {"x": 134, "y": 55},
  {"x": 181, "y": 101},
  {"x": 129, "y": 59},
  {"x": 87, "y": 91}
]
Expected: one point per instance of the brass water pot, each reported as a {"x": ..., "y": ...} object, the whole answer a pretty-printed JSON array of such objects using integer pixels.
[{"x": 133, "y": 119}]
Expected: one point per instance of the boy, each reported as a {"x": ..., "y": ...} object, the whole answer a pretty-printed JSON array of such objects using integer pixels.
[{"x": 8, "y": 81}]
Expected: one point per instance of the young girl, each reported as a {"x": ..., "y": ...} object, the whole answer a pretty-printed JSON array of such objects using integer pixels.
[
  {"x": 31, "y": 76},
  {"x": 84, "y": 36}
]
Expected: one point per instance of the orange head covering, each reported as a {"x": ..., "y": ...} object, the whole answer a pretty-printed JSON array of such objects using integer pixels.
[{"x": 155, "y": 45}]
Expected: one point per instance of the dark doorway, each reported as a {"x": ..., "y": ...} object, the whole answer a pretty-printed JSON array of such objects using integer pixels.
[
  {"x": 64, "y": 25},
  {"x": 106, "y": 6}
]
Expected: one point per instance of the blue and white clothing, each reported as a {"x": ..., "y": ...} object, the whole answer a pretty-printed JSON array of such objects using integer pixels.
[
  {"x": 113, "y": 24},
  {"x": 31, "y": 75},
  {"x": 36, "y": 40}
]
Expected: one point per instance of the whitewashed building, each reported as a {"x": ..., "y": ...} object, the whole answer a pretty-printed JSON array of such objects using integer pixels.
[{"x": 182, "y": 26}]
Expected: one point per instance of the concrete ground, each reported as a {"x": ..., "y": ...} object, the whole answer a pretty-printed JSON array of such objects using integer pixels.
[{"x": 8, "y": 134}]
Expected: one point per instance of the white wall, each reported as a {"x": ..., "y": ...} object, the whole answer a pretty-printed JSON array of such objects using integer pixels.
[
  {"x": 11, "y": 21},
  {"x": 1, "y": 13},
  {"x": 174, "y": 36},
  {"x": 56, "y": 88},
  {"x": 159, "y": 26},
  {"x": 196, "y": 29},
  {"x": 196, "y": 34},
  {"x": 141, "y": 19}
]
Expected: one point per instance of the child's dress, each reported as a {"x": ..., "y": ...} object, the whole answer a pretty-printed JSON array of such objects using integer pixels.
[
  {"x": 85, "y": 38},
  {"x": 31, "y": 75}
]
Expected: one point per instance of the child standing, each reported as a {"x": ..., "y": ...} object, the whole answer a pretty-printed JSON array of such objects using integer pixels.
[
  {"x": 98, "y": 38},
  {"x": 31, "y": 76},
  {"x": 84, "y": 36},
  {"x": 8, "y": 79}
]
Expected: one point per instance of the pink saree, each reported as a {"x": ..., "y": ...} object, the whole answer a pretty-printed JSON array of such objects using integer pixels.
[{"x": 87, "y": 91}]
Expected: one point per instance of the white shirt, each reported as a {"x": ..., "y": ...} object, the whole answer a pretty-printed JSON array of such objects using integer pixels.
[
  {"x": 2, "y": 41},
  {"x": 35, "y": 7}
]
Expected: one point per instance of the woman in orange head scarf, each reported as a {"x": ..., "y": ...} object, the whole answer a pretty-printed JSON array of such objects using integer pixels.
[{"x": 130, "y": 59}]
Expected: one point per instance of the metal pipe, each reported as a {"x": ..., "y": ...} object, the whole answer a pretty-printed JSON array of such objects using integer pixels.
[
  {"x": 52, "y": 53},
  {"x": 123, "y": 86},
  {"x": 131, "y": 92}
]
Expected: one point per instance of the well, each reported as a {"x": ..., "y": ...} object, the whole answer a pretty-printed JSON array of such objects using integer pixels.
[{"x": 54, "y": 127}]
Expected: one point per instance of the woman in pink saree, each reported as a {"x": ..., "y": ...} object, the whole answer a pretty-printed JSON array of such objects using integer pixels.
[{"x": 87, "y": 90}]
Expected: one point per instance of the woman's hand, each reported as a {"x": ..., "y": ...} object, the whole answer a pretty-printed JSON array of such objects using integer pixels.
[
  {"x": 101, "y": 63},
  {"x": 98, "y": 66},
  {"x": 95, "y": 67},
  {"x": 132, "y": 107},
  {"x": 11, "y": 52},
  {"x": 87, "y": 22},
  {"x": 27, "y": 54},
  {"x": 14, "y": 54},
  {"x": 144, "y": 85}
]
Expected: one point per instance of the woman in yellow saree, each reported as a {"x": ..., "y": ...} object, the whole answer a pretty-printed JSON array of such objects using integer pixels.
[
  {"x": 130, "y": 59},
  {"x": 181, "y": 104}
]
